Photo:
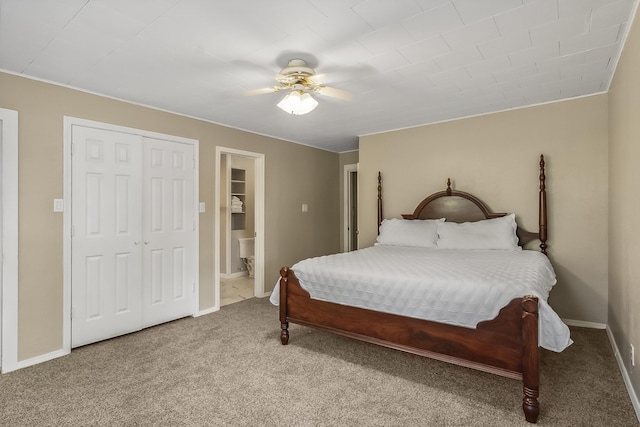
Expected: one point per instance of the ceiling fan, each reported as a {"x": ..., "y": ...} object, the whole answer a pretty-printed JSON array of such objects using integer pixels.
[{"x": 300, "y": 81}]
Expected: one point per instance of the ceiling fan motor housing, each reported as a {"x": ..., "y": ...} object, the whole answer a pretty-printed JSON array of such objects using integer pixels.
[
  {"x": 298, "y": 77},
  {"x": 296, "y": 71}
]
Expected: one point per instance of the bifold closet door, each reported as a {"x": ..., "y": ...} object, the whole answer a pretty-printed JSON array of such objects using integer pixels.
[
  {"x": 170, "y": 242},
  {"x": 106, "y": 254},
  {"x": 134, "y": 240}
]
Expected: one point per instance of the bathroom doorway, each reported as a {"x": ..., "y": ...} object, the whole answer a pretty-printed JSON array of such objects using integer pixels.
[{"x": 239, "y": 242}]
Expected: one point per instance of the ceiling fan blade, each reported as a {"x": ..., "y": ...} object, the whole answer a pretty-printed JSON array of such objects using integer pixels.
[
  {"x": 320, "y": 78},
  {"x": 334, "y": 93},
  {"x": 261, "y": 91}
]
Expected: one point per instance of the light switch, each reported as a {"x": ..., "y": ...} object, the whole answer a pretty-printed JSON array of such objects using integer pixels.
[
  {"x": 305, "y": 207},
  {"x": 58, "y": 205},
  {"x": 201, "y": 207}
]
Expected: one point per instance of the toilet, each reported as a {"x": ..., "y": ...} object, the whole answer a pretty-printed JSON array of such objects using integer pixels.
[{"x": 246, "y": 253}]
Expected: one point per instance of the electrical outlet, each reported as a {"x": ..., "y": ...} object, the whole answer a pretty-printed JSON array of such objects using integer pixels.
[{"x": 633, "y": 355}]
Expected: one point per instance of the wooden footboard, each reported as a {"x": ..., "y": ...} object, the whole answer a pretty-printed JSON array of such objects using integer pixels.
[{"x": 506, "y": 345}]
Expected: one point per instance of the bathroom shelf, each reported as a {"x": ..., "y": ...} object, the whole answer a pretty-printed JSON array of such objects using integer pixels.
[{"x": 238, "y": 189}]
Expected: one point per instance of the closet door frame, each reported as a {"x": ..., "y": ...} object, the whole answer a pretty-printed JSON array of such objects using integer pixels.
[
  {"x": 69, "y": 122},
  {"x": 9, "y": 234}
]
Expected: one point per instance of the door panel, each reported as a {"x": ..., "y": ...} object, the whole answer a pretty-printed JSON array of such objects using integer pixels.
[
  {"x": 106, "y": 255},
  {"x": 170, "y": 236},
  {"x": 179, "y": 265},
  {"x": 157, "y": 275}
]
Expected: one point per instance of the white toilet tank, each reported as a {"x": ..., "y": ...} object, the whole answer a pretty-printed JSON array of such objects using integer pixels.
[{"x": 246, "y": 247}]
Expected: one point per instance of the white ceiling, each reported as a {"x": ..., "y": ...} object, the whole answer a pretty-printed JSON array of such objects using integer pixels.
[{"x": 406, "y": 62}]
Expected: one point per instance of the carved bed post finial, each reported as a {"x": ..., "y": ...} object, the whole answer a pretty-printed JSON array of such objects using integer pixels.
[
  {"x": 379, "y": 201},
  {"x": 542, "y": 208},
  {"x": 448, "y": 186}
]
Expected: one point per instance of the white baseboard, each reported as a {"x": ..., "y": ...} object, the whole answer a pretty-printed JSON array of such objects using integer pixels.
[
  {"x": 625, "y": 375},
  {"x": 234, "y": 275},
  {"x": 206, "y": 311},
  {"x": 39, "y": 359},
  {"x": 583, "y": 324}
]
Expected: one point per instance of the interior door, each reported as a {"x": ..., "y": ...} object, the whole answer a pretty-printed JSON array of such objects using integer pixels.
[
  {"x": 106, "y": 254},
  {"x": 170, "y": 236}
]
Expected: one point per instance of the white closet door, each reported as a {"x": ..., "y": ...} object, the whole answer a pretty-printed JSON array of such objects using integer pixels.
[
  {"x": 106, "y": 238},
  {"x": 170, "y": 238}
]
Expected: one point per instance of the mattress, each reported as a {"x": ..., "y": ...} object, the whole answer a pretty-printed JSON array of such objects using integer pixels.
[{"x": 457, "y": 287}]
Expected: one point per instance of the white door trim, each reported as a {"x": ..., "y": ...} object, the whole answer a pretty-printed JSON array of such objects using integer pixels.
[
  {"x": 9, "y": 280},
  {"x": 259, "y": 163},
  {"x": 227, "y": 240},
  {"x": 69, "y": 122},
  {"x": 347, "y": 203}
]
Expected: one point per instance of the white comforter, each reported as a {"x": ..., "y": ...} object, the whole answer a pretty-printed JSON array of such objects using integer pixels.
[{"x": 457, "y": 287}]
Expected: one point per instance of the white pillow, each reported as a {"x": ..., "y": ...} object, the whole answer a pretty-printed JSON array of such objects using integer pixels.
[
  {"x": 422, "y": 233},
  {"x": 496, "y": 233}
]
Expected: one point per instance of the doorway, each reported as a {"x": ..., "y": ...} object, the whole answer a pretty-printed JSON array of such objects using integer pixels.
[
  {"x": 350, "y": 190},
  {"x": 239, "y": 206},
  {"x": 9, "y": 239}
]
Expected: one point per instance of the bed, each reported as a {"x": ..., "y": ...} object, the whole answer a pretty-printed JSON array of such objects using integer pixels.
[{"x": 502, "y": 339}]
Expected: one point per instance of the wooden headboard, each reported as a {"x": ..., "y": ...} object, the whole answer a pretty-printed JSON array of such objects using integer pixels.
[{"x": 458, "y": 206}]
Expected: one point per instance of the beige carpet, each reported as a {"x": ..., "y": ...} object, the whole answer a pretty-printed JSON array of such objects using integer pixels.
[{"x": 228, "y": 368}]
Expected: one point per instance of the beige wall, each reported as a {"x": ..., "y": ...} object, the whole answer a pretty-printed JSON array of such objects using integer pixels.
[
  {"x": 295, "y": 174},
  {"x": 496, "y": 158},
  {"x": 624, "y": 204}
]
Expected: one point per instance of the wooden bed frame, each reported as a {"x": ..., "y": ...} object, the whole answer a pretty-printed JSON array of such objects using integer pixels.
[{"x": 506, "y": 345}]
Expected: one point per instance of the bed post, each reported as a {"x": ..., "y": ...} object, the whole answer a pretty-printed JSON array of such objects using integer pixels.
[
  {"x": 284, "y": 325},
  {"x": 379, "y": 201},
  {"x": 542, "y": 209},
  {"x": 530, "y": 367}
]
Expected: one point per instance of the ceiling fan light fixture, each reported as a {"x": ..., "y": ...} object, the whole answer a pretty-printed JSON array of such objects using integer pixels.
[{"x": 297, "y": 102}]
